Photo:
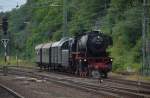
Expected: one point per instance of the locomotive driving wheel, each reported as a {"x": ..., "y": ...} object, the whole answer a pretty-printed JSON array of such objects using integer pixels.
[
  {"x": 98, "y": 74},
  {"x": 105, "y": 74},
  {"x": 95, "y": 74}
]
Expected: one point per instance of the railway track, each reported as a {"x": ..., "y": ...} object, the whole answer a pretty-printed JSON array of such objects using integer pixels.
[
  {"x": 6, "y": 92},
  {"x": 116, "y": 88},
  {"x": 129, "y": 82},
  {"x": 114, "y": 91},
  {"x": 60, "y": 82}
]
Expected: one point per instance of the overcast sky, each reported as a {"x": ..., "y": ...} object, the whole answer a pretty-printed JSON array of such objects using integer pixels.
[{"x": 7, "y": 5}]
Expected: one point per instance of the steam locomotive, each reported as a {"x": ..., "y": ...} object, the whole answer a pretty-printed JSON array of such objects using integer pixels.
[{"x": 84, "y": 54}]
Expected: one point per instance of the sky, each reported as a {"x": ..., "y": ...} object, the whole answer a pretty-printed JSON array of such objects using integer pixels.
[{"x": 8, "y": 5}]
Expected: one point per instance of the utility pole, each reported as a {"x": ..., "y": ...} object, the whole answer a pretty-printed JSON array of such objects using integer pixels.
[
  {"x": 0, "y": 24},
  {"x": 145, "y": 26},
  {"x": 148, "y": 36},
  {"x": 65, "y": 18}
]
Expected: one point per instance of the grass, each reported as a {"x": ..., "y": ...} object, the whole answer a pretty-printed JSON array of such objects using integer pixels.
[
  {"x": 14, "y": 62},
  {"x": 132, "y": 74},
  {"x": 139, "y": 77}
]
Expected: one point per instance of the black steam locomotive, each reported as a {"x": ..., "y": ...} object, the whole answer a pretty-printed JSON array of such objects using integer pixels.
[{"x": 84, "y": 54}]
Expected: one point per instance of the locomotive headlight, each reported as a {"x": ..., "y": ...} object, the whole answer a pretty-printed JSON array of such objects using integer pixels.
[
  {"x": 85, "y": 60},
  {"x": 99, "y": 38},
  {"x": 111, "y": 59}
]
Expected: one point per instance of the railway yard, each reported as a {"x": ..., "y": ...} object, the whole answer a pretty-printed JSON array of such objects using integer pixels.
[
  {"x": 32, "y": 83},
  {"x": 74, "y": 49}
]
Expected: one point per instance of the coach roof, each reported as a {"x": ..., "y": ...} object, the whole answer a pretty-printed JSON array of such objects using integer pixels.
[
  {"x": 39, "y": 46},
  {"x": 47, "y": 45},
  {"x": 62, "y": 41}
]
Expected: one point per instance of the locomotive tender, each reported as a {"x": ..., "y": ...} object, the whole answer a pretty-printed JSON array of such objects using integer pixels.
[{"x": 85, "y": 53}]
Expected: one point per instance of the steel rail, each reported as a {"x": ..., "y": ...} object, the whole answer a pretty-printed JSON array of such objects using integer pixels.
[{"x": 12, "y": 92}]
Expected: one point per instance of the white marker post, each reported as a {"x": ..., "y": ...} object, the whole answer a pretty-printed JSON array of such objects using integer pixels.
[{"x": 5, "y": 43}]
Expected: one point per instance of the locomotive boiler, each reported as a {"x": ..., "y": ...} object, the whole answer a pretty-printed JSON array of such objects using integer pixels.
[{"x": 94, "y": 43}]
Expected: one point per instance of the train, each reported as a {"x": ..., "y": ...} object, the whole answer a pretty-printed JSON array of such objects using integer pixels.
[{"x": 84, "y": 54}]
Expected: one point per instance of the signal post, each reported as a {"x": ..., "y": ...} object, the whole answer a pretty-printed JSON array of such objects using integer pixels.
[{"x": 4, "y": 41}]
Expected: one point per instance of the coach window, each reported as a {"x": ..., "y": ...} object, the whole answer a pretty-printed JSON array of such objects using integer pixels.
[{"x": 65, "y": 45}]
